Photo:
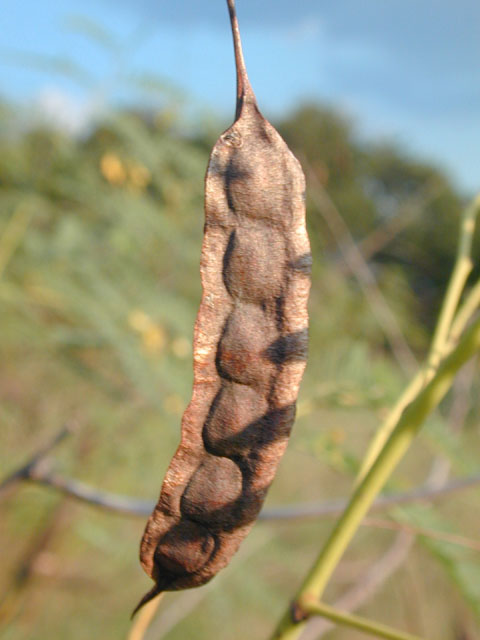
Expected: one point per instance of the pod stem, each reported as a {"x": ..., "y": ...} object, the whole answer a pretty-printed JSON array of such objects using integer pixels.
[
  {"x": 140, "y": 626},
  {"x": 244, "y": 88}
]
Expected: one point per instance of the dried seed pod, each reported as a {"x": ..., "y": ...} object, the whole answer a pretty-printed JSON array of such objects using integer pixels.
[{"x": 250, "y": 345}]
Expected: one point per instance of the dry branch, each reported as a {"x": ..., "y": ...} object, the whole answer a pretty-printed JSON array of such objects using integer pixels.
[{"x": 141, "y": 507}]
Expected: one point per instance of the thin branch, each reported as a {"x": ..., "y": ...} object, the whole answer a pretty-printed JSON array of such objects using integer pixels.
[
  {"x": 425, "y": 532},
  {"x": 86, "y": 493},
  {"x": 28, "y": 470},
  {"x": 405, "y": 214},
  {"x": 420, "y": 494},
  {"x": 362, "y": 272},
  {"x": 179, "y": 608},
  {"x": 314, "y": 608},
  {"x": 142, "y": 507}
]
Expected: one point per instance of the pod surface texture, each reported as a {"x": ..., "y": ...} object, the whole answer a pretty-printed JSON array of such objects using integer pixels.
[{"x": 250, "y": 349}]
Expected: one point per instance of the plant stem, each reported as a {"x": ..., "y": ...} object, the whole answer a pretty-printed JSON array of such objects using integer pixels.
[
  {"x": 440, "y": 341},
  {"x": 142, "y": 622},
  {"x": 395, "y": 447},
  {"x": 461, "y": 270},
  {"x": 465, "y": 313},
  {"x": 355, "y": 622}
]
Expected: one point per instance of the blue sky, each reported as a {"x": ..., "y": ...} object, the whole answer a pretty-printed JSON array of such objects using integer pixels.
[{"x": 406, "y": 70}]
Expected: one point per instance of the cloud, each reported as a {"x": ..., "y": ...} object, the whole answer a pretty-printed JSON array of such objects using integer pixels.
[
  {"x": 308, "y": 28},
  {"x": 63, "y": 111}
]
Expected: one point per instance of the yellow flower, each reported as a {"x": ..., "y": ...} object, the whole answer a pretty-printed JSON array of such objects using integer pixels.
[
  {"x": 139, "y": 320},
  {"x": 152, "y": 334},
  {"x": 112, "y": 169},
  {"x": 154, "y": 339}
]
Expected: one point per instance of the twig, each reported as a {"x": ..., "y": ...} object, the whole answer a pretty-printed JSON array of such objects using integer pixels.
[
  {"x": 85, "y": 493},
  {"x": 456, "y": 419},
  {"x": 382, "y": 235},
  {"x": 312, "y": 607},
  {"x": 143, "y": 507},
  {"x": 334, "y": 508},
  {"x": 28, "y": 470},
  {"x": 362, "y": 272},
  {"x": 443, "y": 536}
]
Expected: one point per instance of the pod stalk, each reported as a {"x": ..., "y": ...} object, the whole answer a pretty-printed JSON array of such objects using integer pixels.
[{"x": 244, "y": 88}]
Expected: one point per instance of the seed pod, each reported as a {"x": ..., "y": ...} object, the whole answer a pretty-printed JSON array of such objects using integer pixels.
[{"x": 250, "y": 344}]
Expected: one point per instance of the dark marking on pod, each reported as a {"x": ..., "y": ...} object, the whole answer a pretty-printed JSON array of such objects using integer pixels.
[
  {"x": 288, "y": 348},
  {"x": 303, "y": 264}
]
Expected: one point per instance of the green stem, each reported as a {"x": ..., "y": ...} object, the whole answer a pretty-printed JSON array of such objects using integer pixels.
[
  {"x": 465, "y": 313},
  {"x": 356, "y": 622},
  {"x": 440, "y": 340},
  {"x": 460, "y": 273},
  {"x": 396, "y": 446}
]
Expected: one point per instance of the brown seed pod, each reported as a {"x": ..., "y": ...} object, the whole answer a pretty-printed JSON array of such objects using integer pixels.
[{"x": 250, "y": 344}]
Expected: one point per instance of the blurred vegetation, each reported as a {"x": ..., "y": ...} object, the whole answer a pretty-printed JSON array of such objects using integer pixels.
[{"x": 100, "y": 238}]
